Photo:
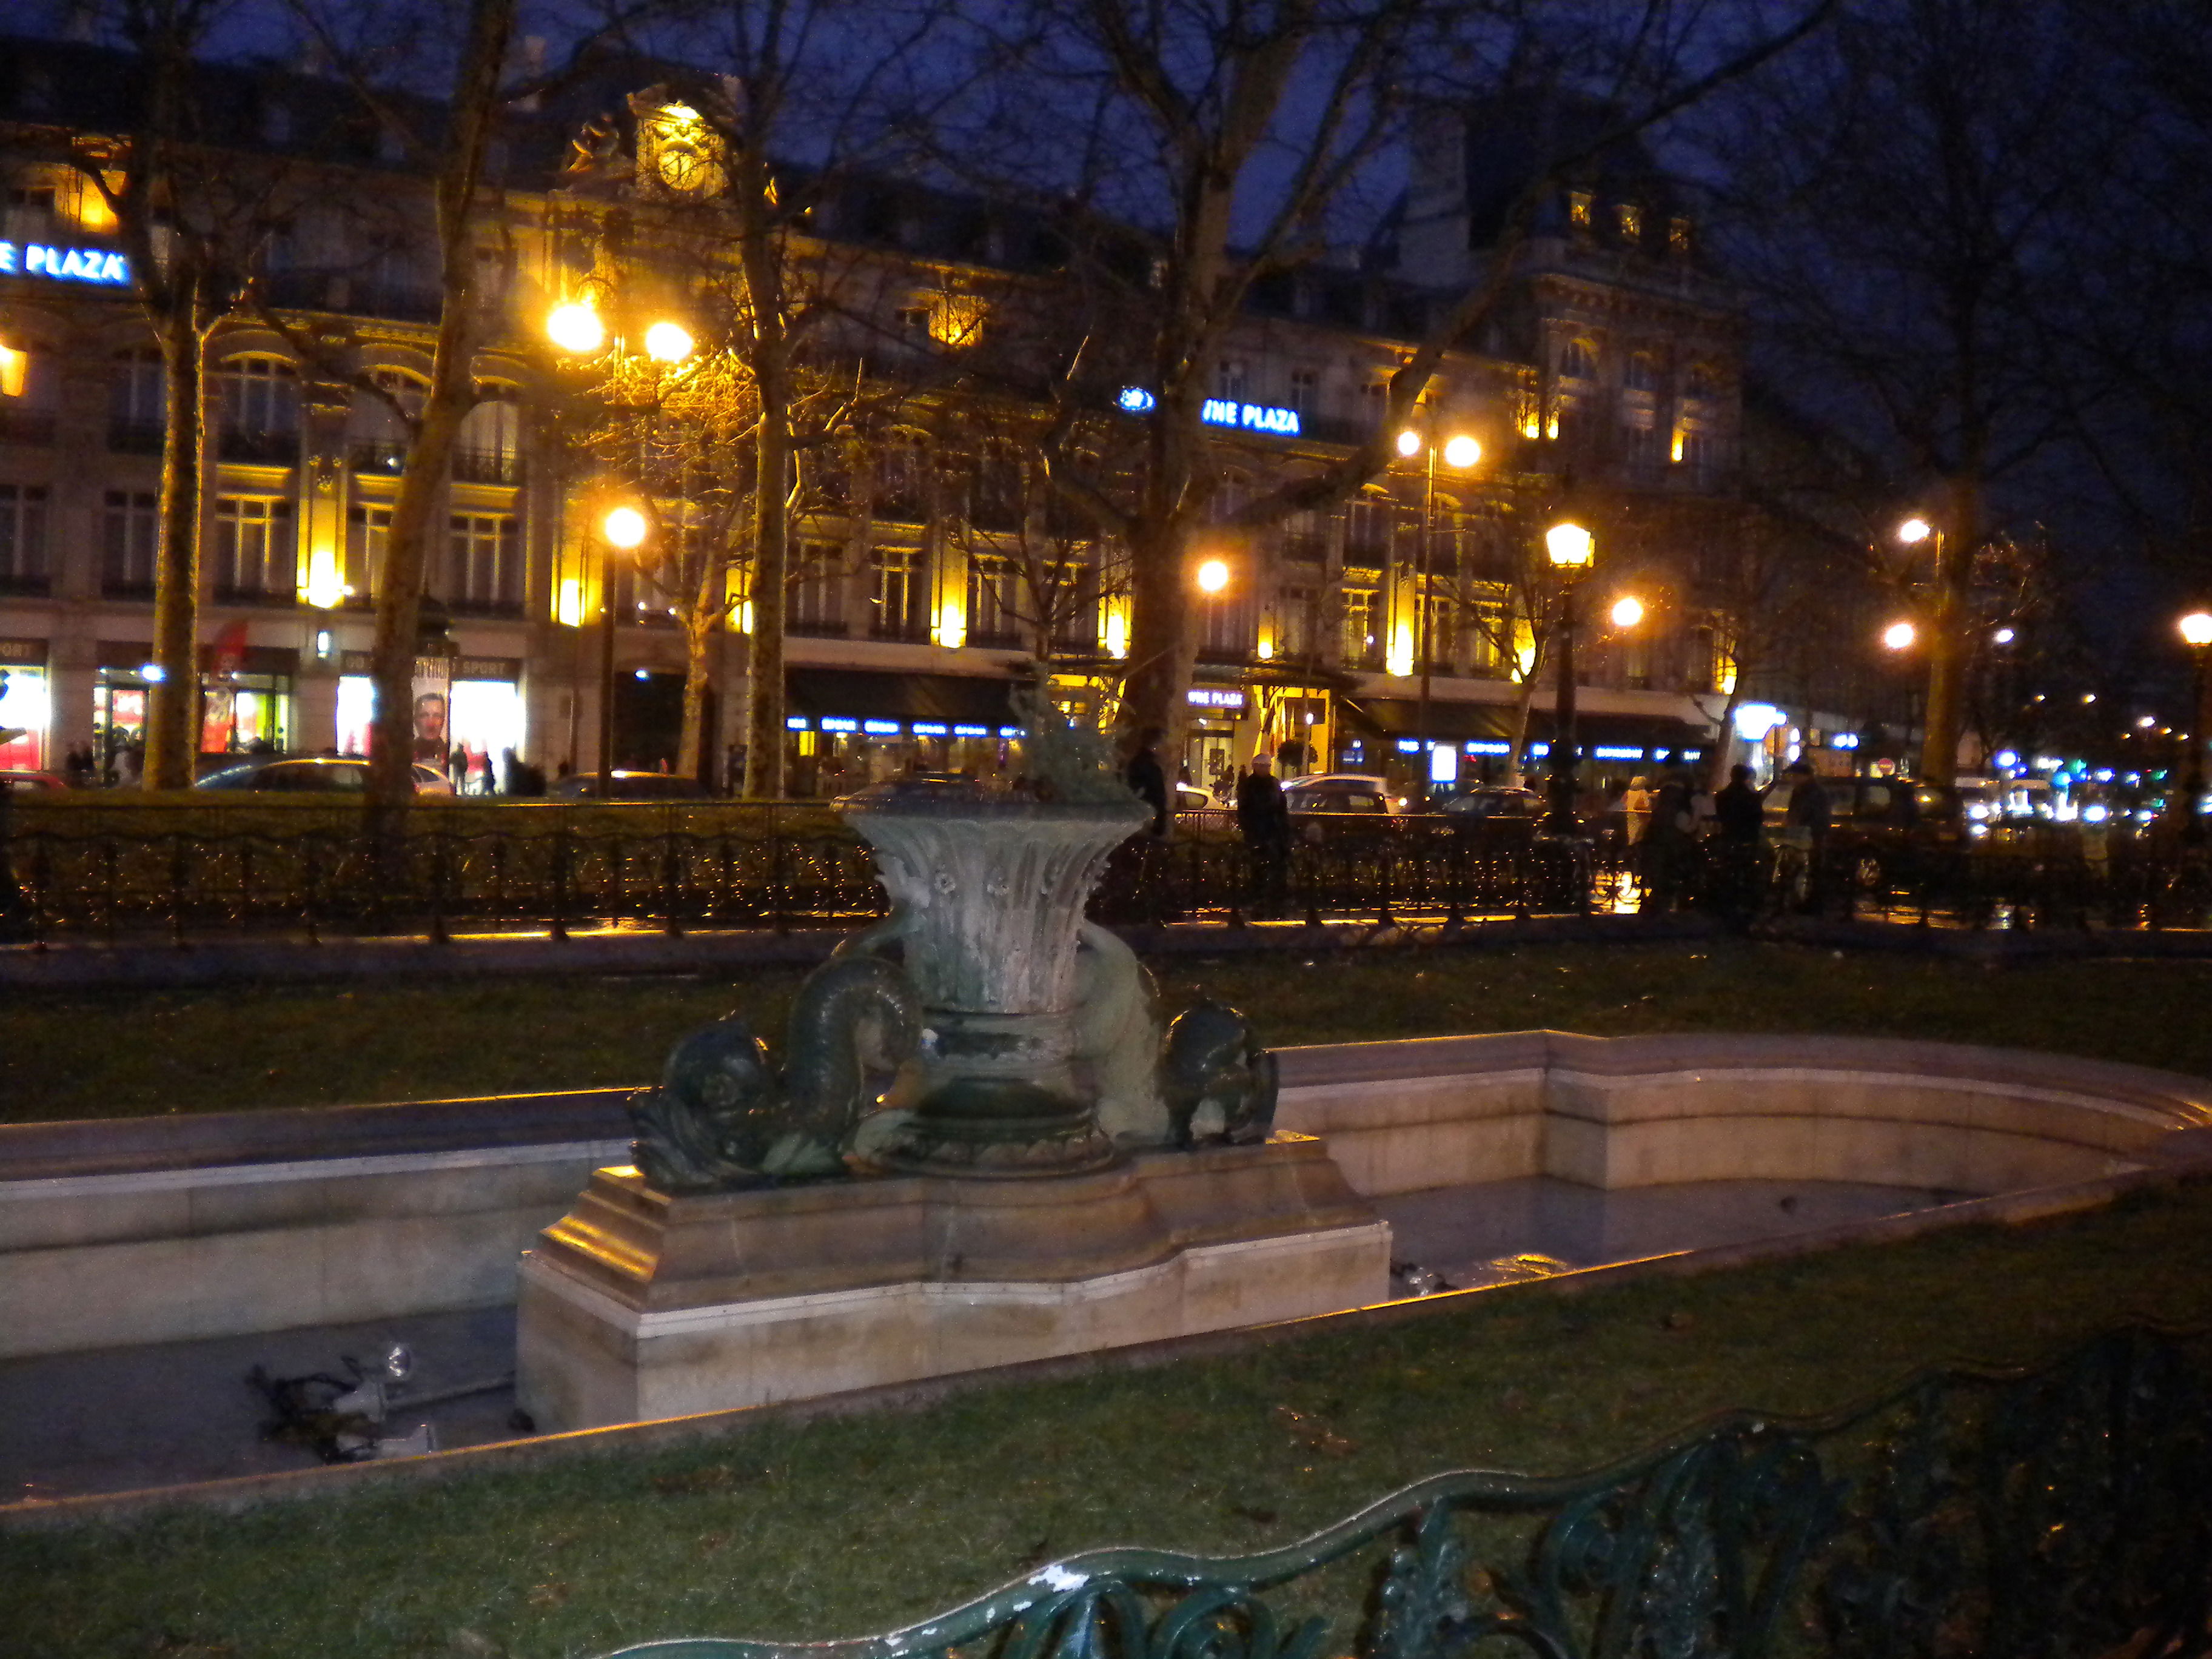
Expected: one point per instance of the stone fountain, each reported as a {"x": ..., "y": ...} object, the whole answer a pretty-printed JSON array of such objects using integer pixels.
[{"x": 978, "y": 1147}]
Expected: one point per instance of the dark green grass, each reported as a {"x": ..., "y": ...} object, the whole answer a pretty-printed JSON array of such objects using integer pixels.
[
  {"x": 71, "y": 1056},
  {"x": 845, "y": 1527}
]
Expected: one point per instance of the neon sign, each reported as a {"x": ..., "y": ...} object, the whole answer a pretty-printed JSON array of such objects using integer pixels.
[
  {"x": 1257, "y": 417},
  {"x": 73, "y": 264},
  {"x": 1136, "y": 400},
  {"x": 1210, "y": 698}
]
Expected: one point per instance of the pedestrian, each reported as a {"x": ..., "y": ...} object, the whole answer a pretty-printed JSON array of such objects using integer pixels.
[
  {"x": 457, "y": 769},
  {"x": 1669, "y": 843},
  {"x": 1805, "y": 822},
  {"x": 1263, "y": 817},
  {"x": 1148, "y": 779},
  {"x": 76, "y": 766},
  {"x": 1740, "y": 817},
  {"x": 1635, "y": 813}
]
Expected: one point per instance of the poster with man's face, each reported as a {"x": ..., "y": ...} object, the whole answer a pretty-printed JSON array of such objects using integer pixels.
[{"x": 433, "y": 688}]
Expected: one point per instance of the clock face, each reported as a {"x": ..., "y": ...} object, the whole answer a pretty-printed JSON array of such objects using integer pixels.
[{"x": 681, "y": 166}]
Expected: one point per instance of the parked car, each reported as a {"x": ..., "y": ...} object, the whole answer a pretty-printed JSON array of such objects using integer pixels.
[
  {"x": 619, "y": 785},
  {"x": 28, "y": 783},
  {"x": 1881, "y": 823},
  {"x": 1489, "y": 801},
  {"x": 1340, "y": 791},
  {"x": 1189, "y": 797},
  {"x": 345, "y": 775}
]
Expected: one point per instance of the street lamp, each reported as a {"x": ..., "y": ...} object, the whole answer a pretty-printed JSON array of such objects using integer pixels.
[
  {"x": 668, "y": 342},
  {"x": 2196, "y": 629},
  {"x": 1627, "y": 610},
  {"x": 1569, "y": 548},
  {"x": 576, "y": 329},
  {"x": 1460, "y": 452},
  {"x": 1900, "y": 637},
  {"x": 624, "y": 527}
]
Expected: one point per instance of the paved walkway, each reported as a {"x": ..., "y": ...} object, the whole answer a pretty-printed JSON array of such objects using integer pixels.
[{"x": 125, "y": 1419}]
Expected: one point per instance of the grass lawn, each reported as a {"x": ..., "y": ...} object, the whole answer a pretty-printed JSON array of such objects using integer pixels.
[
  {"x": 840, "y": 1528},
  {"x": 125, "y": 1055}
]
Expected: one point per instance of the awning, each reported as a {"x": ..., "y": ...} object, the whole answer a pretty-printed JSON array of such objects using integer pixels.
[
  {"x": 1400, "y": 717},
  {"x": 815, "y": 694},
  {"x": 1627, "y": 736}
]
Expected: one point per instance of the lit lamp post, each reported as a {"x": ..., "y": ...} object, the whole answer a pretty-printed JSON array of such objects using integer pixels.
[
  {"x": 1460, "y": 453},
  {"x": 1569, "y": 548},
  {"x": 1939, "y": 724},
  {"x": 624, "y": 528},
  {"x": 2196, "y": 631}
]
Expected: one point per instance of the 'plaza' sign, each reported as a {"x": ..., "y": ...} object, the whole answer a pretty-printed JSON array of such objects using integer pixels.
[
  {"x": 67, "y": 264},
  {"x": 1258, "y": 417}
]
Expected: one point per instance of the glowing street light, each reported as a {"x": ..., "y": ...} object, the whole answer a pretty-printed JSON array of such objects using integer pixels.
[
  {"x": 1899, "y": 636},
  {"x": 2197, "y": 629},
  {"x": 1914, "y": 531},
  {"x": 1569, "y": 546},
  {"x": 668, "y": 342},
  {"x": 1627, "y": 610},
  {"x": 1462, "y": 451},
  {"x": 576, "y": 329},
  {"x": 2005, "y": 636},
  {"x": 624, "y": 527},
  {"x": 1212, "y": 576},
  {"x": 1409, "y": 443}
]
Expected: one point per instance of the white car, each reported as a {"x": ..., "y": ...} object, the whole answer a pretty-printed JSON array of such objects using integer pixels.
[{"x": 1342, "y": 792}]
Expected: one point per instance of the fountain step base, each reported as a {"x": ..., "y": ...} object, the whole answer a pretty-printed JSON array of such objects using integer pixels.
[{"x": 639, "y": 1304}]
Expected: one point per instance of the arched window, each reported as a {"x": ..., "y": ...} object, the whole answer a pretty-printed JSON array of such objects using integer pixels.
[
  {"x": 1578, "y": 360},
  {"x": 376, "y": 432},
  {"x": 489, "y": 446},
  {"x": 259, "y": 400}
]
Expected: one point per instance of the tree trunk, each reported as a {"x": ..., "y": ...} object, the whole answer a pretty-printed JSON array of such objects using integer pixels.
[
  {"x": 1955, "y": 546},
  {"x": 698, "y": 680},
  {"x": 1163, "y": 640},
  {"x": 173, "y": 709},
  {"x": 452, "y": 392},
  {"x": 1517, "y": 735},
  {"x": 764, "y": 778}
]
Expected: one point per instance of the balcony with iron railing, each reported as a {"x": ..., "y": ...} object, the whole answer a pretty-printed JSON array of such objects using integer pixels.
[{"x": 278, "y": 448}]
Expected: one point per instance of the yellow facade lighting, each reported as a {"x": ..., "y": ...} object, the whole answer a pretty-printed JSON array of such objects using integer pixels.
[
  {"x": 576, "y": 329},
  {"x": 14, "y": 371},
  {"x": 1569, "y": 546},
  {"x": 624, "y": 527},
  {"x": 668, "y": 342}
]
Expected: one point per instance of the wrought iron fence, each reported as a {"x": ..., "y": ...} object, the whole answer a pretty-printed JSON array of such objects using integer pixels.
[
  {"x": 2063, "y": 1511},
  {"x": 115, "y": 873}
]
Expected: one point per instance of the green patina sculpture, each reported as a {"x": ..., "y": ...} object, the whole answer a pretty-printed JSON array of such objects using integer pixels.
[
  {"x": 1216, "y": 1080},
  {"x": 724, "y": 1116}
]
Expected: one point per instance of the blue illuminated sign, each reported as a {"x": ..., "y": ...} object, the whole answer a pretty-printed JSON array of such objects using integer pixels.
[
  {"x": 1614, "y": 751},
  {"x": 971, "y": 731},
  {"x": 797, "y": 723},
  {"x": 1010, "y": 732},
  {"x": 1256, "y": 417},
  {"x": 880, "y": 728},
  {"x": 68, "y": 265},
  {"x": 928, "y": 729},
  {"x": 1484, "y": 746},
  {"x": 1136, "y": 400},
  {"x": 831, "y": 723}
]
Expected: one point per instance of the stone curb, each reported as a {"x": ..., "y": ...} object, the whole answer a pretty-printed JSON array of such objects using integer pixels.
[
  {"x": 164, "y": 967},
  {"x": 236, "y": 1495}
]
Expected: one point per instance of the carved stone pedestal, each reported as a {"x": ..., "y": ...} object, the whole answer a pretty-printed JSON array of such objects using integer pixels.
[{"x": 640, "y": 1305}]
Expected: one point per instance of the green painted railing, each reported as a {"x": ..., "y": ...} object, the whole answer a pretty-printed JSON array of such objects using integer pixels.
[{"x": 2065, "y": 1511}]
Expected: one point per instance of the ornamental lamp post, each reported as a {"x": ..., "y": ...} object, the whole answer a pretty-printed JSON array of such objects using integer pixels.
[
  {"x": 1569, "y": 548},
  {"x": 624, "y": 527},
  {"x": 2196, "y": 631},
  {"x": 1460, "y": 453}
]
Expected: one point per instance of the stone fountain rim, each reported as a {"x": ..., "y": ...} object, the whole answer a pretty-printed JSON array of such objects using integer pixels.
[{"x": 996, "y": 807}]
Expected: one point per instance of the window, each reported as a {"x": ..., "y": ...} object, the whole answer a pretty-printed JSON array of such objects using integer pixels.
[
  {"x": 994, "y": 601},
  {"x": 486, "y": 568},
  {"x": 996, "y": 503},
  {"x": 817, "y": 592},
  {"x": 1439, "y": 617},
  {"x": 1643, "y": 373},
  {"x": 488, "y": 444},
  {"x": 899, "y": 495},
  {"x": 1228, "y": 627},
  {"x": 254, "y": 548},
  {"x": 22, "y": 538},
  {"x": 1296, "y": 611},
  {"x": 1305, "y": 536},
  {"x": 914, "y": 323},
  {"x": 259, "y": 400},
  {"x": 367, "y": 530},
  {"x": 130, "y": 531},
  {"x": 1632, "y": 221},
  {"x": 376, "y": 432},
  {"x": 1578, "y": 208},
  {"x": 1361, "y": 641},
  {"x": 899, "y": 607},
  {"x": 1677, "y": 234},
  {"x": 1306, "y": 390},
  {"x": 138, "y": 406},
  {"x": 1075, "y": 607},
  {"x": 1232, "y": 379},
  {"x": 1696, "y": 454},
  {"x": 1367, "y": 526},
  {"x": 1578, "y": 360},
  {"x": 1701, "y": 385},
  {"x": 1487, "y": 636}
]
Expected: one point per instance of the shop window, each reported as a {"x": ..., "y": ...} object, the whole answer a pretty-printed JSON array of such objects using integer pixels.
[
  {"x": 994, "y": 607},
  {"x": 255, "y": 549},
  {"x": 899, "y": 606},
  {"x": 258, "y": 399},
  {"x": 367, "y": 530},
  {"x": 137, "y": 402},
  {"x": 23, "y": 539},
  {"x": 1361, "y": 639},
  {"x": 818, "y": 592},
  {"x": 130, "y": 533},
  {"x": 487, "y": 564},
  {"x": 245, "y": 714},
  {"x": 25, "y": 706}
]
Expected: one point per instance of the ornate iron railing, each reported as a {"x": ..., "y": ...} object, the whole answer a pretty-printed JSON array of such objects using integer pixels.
[
  {"x": 88, "y": 868},
  {"x": 2063, "y": 1511}
]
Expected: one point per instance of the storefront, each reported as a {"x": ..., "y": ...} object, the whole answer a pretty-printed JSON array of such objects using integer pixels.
[
  {"x": 1470, "y": 744},
  {"x": 26, "y": 705},
  {"x": 246, "y": 702},
  {"x": 469, "y": 706},
  {"x": 846, "y": 729},
  {"x": 1211, "y": 751}
]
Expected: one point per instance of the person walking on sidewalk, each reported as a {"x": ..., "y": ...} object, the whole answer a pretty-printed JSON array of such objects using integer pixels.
[{"x": 1263, "y": 817}]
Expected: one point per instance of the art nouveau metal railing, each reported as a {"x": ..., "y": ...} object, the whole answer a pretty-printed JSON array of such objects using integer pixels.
[{"x": 2064, "y": 1512}]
